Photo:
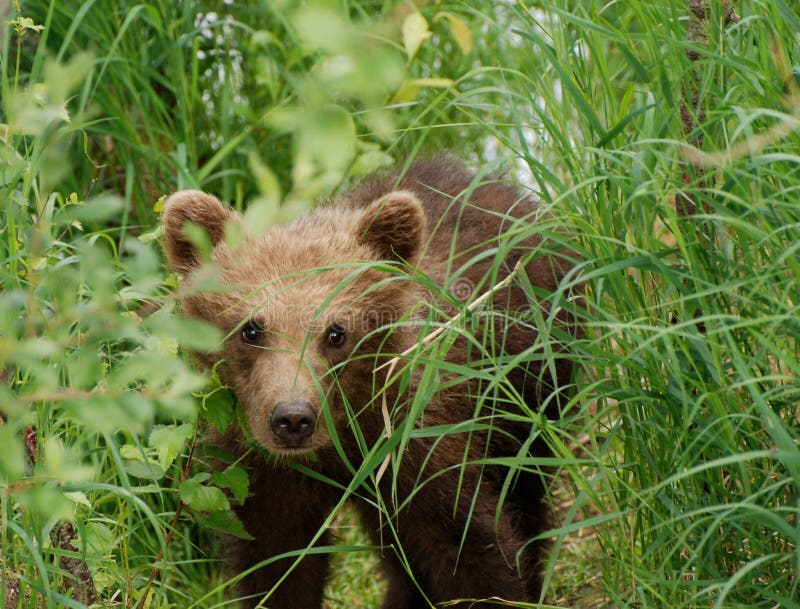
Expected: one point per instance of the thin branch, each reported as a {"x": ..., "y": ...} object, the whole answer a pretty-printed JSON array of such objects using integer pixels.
[{"x": 173, "y": 525}]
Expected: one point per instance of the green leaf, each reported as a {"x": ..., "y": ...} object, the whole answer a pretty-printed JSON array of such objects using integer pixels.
[
  {"x": 266, "y": 180},
  {"x": 226, "y": 522},
  {"x": 235, "y": 479},
  {"x": 369, "y": 161},
  {"x": 60, "y": 462},
  {"x": 198, "y": 237},
  {"x": 39, "y": 107},
  {"x": 96, "y": 539},
  {"x": 200, "y": 497},
  {"x": 61, "y": 79},
  {"x": 12, "y": 457},
  {"x": 219, "y": 408},
  {"x": 324, "y": 143},
  {"x": 324, "y": 28},
  {"x": 47, "y": 502},
  {"x": 132, "y": 452},
  {"x": 191, "y": 334},
  {"x": 95, "y": 211},
  {"x": 25, "y": 23},
  {"x": 196, "y": 335},
  {"x": 79, "y": 498},
  {"x": 145, "y": 471},
  {"x": 168, "y": 441},
  {"x": 128, "y": 411}
]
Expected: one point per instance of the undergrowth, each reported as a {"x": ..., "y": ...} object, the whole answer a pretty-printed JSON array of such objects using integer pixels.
[{"x": 678, "y": 457}]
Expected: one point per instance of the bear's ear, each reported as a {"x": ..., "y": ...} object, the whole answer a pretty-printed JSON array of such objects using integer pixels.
[
  {"x": 393, "y": 226},
  {"x": 198, "y": 208}
]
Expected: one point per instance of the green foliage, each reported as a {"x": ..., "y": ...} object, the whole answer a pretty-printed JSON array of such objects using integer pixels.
[
  {"x": 692, "y": 339},
  {"x": 680, "y": 445},
  {"x": 242, "y": 99}
]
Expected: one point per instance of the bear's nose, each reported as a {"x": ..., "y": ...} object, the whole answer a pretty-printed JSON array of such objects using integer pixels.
[{"x": 293, "y": 421}]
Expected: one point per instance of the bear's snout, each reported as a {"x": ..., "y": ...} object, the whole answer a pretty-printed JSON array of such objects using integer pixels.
[{"x": 293, "y": 422}]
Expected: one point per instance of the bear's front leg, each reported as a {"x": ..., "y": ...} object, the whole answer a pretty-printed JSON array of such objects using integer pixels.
[
  {"x": 285, "y": 511},
  {"x": 470, "y": 554},
  {"x": 457, "y": 544}
]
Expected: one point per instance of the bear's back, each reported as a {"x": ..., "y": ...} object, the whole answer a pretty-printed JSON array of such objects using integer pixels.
[
  {"x": 467, "y": 217},
  {"x": 478, "y": 229}
]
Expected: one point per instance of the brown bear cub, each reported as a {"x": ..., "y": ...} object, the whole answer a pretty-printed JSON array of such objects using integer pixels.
[{"x": 312, "y": 312}]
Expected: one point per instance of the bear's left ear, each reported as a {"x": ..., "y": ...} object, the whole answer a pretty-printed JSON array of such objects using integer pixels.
[{"x": 393, "y": 226}]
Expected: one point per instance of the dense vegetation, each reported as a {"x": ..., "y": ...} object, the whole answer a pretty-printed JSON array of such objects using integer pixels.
[{"x": 678, "y": 462}]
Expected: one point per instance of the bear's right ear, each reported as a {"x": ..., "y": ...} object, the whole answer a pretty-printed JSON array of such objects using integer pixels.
[
  {"x": 393, "y": 226},
  {"x": 198, "y": 208}
]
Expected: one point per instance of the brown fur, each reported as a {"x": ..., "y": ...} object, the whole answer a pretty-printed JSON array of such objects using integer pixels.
[{"x": 296, "y": 286}]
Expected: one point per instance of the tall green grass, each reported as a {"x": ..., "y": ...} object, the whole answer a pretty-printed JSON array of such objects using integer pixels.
[
  {"x": 690, "y": 385},
  {"x": 678, "y": 451}
]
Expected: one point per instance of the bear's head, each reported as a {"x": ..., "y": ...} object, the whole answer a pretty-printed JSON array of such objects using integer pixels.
[{"x": 306, "y": 308}]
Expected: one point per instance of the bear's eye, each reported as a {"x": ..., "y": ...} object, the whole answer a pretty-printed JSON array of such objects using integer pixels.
[
  {"x": 336, "y": 335},
  {"x": 251, "y": 332}
]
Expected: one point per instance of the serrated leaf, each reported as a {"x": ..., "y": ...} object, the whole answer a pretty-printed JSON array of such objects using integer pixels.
[
  {"x": 202, "y": 498},
  {"x": 168, "y": 441},
  {"x": 226, "y": 522},
  {"x": 415, "y": 32},
  {"x": 234, "y": 479},
  {"x": 219, "y": 408}
]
